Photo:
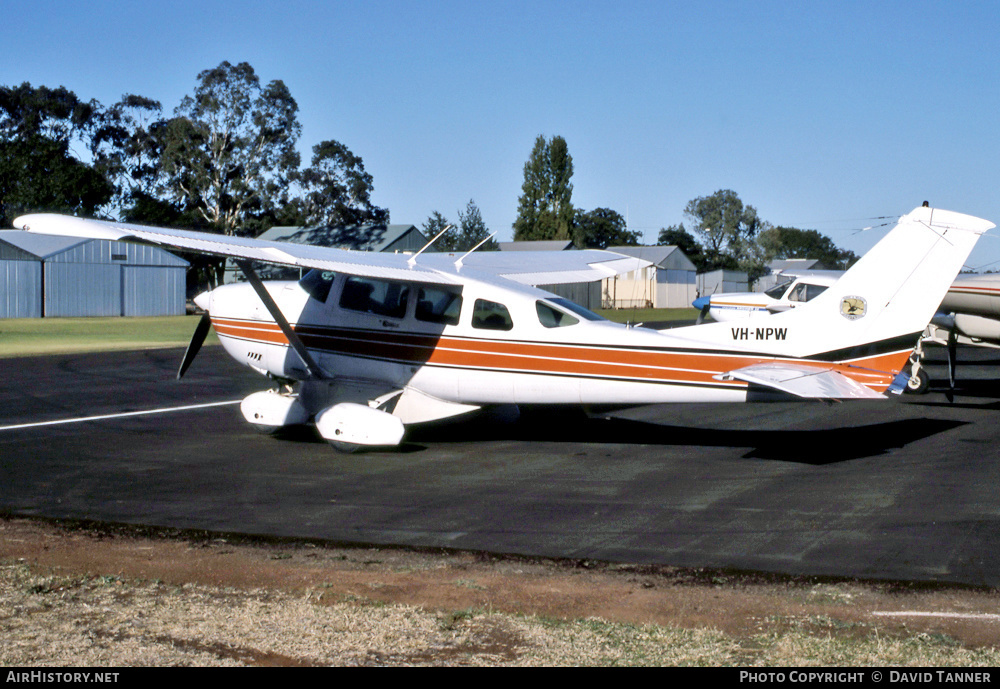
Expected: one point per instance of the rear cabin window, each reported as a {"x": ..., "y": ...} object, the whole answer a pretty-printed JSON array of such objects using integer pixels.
[
  {"x": 489, "y": 315},
  {"x": 380, "y": 297},
  {"x": 553, "y": 318},
  {"x": 437, "y": 305}
]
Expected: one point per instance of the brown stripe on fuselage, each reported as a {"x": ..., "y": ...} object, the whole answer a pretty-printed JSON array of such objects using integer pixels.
[{"x": 609, "y": 361}]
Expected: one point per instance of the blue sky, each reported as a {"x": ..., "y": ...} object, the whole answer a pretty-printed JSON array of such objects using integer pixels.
[{"x": 820, "y": 115}]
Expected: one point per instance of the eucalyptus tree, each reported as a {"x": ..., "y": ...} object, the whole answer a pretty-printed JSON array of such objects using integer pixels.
[
  {"x": 728, "y": 231},
  {"x": 42, "y": 134},
  {"x": 677, "y": 235},
  {"x": 230, "y": 149},
  {"x": 125, "y": 148},
  {"x": 791, "y": 242},
  {"x": 335, "y": 189},
  {"x": 601, "y": 228}
]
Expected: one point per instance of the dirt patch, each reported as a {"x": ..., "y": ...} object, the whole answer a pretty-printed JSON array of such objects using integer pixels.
[{"x": 449, "y": 585}]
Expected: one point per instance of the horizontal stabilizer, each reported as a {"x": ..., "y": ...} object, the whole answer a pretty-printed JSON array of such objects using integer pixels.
[{"x": 803, "y": 381}]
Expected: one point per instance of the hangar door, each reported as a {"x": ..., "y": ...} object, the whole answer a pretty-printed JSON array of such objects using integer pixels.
[
  {"x": 82, "y": 289},
  {"x": 20, "y": 289},
  {"x": 153, "y": 291}
]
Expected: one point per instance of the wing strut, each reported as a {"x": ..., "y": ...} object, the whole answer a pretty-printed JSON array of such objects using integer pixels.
[{"x": 279, "y": 318}]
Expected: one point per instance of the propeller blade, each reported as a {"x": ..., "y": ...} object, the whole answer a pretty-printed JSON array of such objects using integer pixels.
[
  {"x": 704, "y": 304},
  {"x": 200, "y": 333}
]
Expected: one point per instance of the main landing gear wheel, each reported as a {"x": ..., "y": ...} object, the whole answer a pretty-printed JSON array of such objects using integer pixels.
[{"x": 345, "y": 448}]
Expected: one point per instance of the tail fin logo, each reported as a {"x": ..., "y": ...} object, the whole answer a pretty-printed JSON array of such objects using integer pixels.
[{"x": 853, "y": 308}]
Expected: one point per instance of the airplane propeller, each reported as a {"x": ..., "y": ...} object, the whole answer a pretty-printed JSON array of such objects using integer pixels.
[
  {"x": 200, "y": 333},
  {"x": 703, "y": 303}
]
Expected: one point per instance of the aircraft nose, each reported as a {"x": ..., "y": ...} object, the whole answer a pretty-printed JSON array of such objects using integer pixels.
[
  {"x": 204, "y": 301},
  {"x": 700, "y": 302}
]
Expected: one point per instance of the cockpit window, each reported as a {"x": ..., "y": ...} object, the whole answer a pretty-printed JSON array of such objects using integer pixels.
[
  {"x": 380, "y": 297},
  {"x": 553, "y": 318},
  {"x": 438, "y": 305},
  {"x": 778, "y": 290},
  {"x": 317, "y": 283},
  {"x": 489, "y": 315}
]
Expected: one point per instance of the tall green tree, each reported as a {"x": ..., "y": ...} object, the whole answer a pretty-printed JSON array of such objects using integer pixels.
[
  {"x": 601, "y": 228},
  {"x": 434, "y": 225},
  {"x": 335, "y": 190},
  {"x": 39, "y": 130},
  {"x": 126, "y": 149},
  {"x": 472, "y": 230},
  {"x": 728, "y": 231},
  {"x": 229, "y": 151},
  {"x": 545, "y": 207},
  {"x": 677, "y": 235}
]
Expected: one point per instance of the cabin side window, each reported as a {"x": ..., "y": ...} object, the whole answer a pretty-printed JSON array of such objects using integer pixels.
[
  {"x": 380, "y": 297},
  {"x": 489, "y": 315},
  {"x": 438, "y": 305},
  {"x": 806, "y": 292},
  {"x": 553, "y": 318}
]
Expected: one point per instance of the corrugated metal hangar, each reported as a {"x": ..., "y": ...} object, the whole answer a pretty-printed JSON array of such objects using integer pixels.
[{"x": 42, "y": 276}]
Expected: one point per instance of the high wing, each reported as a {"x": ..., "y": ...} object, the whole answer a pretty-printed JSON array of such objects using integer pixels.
[
  {"x": 543, "y": 267},
  {"x": 556, "y": 267}
]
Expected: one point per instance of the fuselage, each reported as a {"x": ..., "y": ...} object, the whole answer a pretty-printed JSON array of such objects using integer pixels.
[{"x": 486, "y": 343}]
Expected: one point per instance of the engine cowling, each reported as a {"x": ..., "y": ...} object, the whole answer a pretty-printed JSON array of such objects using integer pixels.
[
  {"x": 978, "y": 327},
  {"x": 350, "y": 424}
]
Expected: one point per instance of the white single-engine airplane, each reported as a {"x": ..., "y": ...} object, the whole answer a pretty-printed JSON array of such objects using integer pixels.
[
  {"x": 794, "y": 291},
  {"x": 366, "y": 344}
]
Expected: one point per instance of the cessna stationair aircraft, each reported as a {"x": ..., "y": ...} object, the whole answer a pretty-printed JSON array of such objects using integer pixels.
[{"x": 366, "y": 344}]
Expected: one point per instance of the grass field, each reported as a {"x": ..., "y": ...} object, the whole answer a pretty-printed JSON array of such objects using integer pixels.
[
  {"x": 40, "y": 336},
  {"x": 648, "y": 315}
]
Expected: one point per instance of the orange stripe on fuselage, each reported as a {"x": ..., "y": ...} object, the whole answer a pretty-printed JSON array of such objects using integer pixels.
[{"x": 692, "y": 367}]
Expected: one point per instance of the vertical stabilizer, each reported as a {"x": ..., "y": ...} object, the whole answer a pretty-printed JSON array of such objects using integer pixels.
[{"x": 881, "y": 304}]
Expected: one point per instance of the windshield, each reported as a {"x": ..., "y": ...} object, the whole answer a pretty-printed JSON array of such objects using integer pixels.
[
  {"x": 778, "y": 290},
  {"x": 317, "y": 283}
]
